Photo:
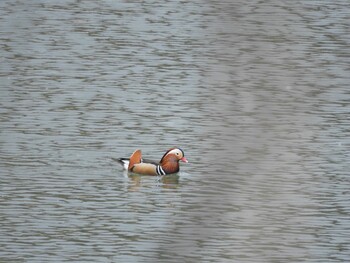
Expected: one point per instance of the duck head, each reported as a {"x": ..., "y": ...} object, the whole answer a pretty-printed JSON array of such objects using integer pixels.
[{"x": 170, "y": 160}]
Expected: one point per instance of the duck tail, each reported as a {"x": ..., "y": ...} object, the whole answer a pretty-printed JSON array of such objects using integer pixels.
[{"x": 123, "y": 161}]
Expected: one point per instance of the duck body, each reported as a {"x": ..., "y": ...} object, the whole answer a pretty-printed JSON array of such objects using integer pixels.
[{"x": 169, "y": 163}]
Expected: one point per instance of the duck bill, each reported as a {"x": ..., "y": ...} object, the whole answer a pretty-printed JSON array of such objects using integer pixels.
[{"x": 183, "y": 159}]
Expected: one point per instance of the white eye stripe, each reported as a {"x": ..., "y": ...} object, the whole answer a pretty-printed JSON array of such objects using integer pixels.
[{"x": 174, "y": 151}]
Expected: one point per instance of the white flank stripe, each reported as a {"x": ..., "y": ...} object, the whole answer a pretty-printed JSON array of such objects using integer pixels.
[{"x": 160, "y": 170}]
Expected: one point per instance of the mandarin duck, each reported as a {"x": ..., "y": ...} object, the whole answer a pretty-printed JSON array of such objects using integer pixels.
[{"x": 169, "y": 163}]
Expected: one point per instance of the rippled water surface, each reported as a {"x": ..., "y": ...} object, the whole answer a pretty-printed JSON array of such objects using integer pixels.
[{"x": 255, "y": 92}]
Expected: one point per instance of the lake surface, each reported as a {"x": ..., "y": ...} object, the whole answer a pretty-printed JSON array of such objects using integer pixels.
[{"x": 256, "y": 93}]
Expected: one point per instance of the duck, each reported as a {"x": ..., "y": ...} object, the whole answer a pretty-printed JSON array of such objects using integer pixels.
[{"x": 168, "y": 164}]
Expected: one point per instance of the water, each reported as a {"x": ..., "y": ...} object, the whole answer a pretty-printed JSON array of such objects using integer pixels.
[{"x": 256, "y": 94}]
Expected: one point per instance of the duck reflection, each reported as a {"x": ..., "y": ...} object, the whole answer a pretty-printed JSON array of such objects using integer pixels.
[{"x": 139, "y": 181}]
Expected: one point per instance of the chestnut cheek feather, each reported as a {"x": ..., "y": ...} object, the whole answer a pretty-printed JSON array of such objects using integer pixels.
[{"x": 171, "y": 168}]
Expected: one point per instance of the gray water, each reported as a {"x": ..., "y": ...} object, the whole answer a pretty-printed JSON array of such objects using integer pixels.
[{"x": 255, "y": 92}]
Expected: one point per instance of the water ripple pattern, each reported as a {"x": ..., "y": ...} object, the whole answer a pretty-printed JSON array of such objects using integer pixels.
[{"x": 255, "y": 92}]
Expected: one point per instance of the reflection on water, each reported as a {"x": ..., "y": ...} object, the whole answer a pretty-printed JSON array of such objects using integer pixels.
[
  {"x": 137, "y": 182},
  {"x": 255, "y": 93}
]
